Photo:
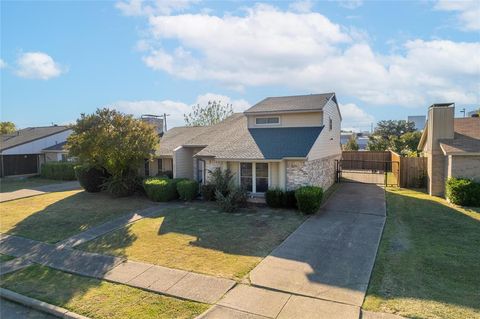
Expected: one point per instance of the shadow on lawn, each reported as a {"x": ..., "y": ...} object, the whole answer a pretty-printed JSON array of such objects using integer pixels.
[{"x": 430, "y": 252}]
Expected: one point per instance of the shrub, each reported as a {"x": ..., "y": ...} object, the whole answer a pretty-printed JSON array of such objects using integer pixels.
[
  {"x": 289, "y": 200},
  {"x": 309, "y": 198},
  {"x": 122, "y": 185},
  {"x": 463, "y": 191},
  {"x": 222, "y": 180},
  {"x": 165, "y": 174},
  {"x": 90, "y": 178},
  {"x": 208, "y": 192},
  {"x": 58, "y": 170},
  {"x": 160, "y": 189},
  {"x": 187, "y": 190},
  {"x": 235, "y": 198},
  {"x": 274, "y": 198}
]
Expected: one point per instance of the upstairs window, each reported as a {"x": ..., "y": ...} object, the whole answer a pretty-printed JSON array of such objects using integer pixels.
[
  {"x": 267, "y": 120},
  {"x": 330, "y": 123}
]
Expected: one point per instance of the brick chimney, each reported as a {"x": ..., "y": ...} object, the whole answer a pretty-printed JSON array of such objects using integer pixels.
[{"x": 439, "y": 126}]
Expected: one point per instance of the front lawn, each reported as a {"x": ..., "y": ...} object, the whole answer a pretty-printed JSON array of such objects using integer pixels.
[
  {"x": 56, "y": 216},
  {"x": 14, "y": 184},
  {"x": 429, "y": 259},
  {"x": 200, "y": 238},
  {"x": 95, "y": 298}
]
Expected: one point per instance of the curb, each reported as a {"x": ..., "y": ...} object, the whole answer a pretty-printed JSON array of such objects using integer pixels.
[{"x": 39, "y": 305}]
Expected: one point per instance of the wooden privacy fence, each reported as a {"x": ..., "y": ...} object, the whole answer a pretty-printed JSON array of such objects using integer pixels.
[{"x": 411, "y": 172}]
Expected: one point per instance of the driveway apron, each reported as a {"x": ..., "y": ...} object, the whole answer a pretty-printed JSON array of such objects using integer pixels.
[{"x": 332, "y": 254}]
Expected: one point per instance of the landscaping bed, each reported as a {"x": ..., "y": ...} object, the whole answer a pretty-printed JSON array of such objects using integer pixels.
[
  {"x": 200, "y": 238},
  {"x": 56, "y": 216},
  {"x": 95, "y": 298},
  {"x": 428, "y": 260}
]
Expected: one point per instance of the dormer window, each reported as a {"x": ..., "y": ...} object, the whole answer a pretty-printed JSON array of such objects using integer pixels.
[{"x": 267, "y": 120}]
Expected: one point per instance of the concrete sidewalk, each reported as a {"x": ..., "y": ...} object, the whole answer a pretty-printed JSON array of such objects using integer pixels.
[
  {"x": 23, "y": 193},
  {"x": 174, "y": 282}
]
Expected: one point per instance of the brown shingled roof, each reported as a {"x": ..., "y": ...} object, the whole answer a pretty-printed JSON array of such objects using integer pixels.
[
  {"x": 297, "y": 103},
  {"x": 466, "y": 138},
  {"x": 178, "y": 136},
  {"x": 29, "y": 134}
]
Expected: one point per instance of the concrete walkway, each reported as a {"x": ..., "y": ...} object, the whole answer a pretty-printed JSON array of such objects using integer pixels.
[
  {"x": 23, "y": 193},
  {"x": 322, "y": 269},
  {"x": 174, "y": 282}
]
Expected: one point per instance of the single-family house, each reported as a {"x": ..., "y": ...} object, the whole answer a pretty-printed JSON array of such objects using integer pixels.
[
  {"x": 280, "y": 142},
  {"x": 451, "y": 145},
  {"x": 23, "y": 151}
]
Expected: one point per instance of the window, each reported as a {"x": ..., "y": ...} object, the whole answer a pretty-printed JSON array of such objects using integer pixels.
[
  {"x": 159, "y": 165},
  {"x": 261, "y": 177},
  {"x": 201, "y": 171},
  {"x": 246, "y": 176},
  {"x": 330, "y": 123},
  {"x": 254, "y": 177},
  {"x": 267, "y": 120}
]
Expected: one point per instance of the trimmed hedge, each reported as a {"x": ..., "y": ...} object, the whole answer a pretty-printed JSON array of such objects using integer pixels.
[
  {"x": 309, "y": 199},
  {"x": 187, "y": 190},
  {"x": 289, "y": 200},
  {"x": 463, "y": 191},
  {"x": 208, "y": 192},
  {"x": 58, "y": 170},
  {"x": 160, "y": 189},
  {"x": 274, "y": 197},
  {"x": 90, "y": 178}
]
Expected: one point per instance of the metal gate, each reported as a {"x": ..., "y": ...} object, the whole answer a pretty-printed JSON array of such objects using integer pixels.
[
  {"x": 368, "y": 172},
  {"x": 19, "y": 164}
]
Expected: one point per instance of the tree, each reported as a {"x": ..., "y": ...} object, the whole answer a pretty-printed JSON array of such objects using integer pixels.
[
  {"x": 116, "y": 142},
  {"x": 352, "y": 144},
  {"x": 7, "y": 127},
  {"x": 210, "y": 114},
  {"x": 409, "y": 143},
  {"x": 387, "y": 133}
]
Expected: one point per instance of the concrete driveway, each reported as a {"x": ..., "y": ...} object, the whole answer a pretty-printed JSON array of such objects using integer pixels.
[{"x": 332, "y": 254}]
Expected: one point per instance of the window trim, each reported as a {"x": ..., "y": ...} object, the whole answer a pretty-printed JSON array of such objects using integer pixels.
[
  {"x": 254, "y": 176},
  {"x": 267, "y": 117}
]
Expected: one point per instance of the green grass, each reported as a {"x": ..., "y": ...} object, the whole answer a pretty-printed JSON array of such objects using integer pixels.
[
  {"x": 429, "y": 259},
  {"x": 95, "y": 298},
  {"x": 14, "y": 184},
  {"x": 56, "y": 216},
  {"x": 202, "y": 239},
  {"x": 4, "y": 257}
]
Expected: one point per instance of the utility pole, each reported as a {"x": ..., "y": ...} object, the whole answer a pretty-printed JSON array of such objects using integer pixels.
[{"x": 463, "y": 111}]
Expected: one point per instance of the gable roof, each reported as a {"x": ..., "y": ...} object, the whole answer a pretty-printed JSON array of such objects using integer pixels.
[
  {"x": 466, "y": 137},
  {"x": 29, "y": 134},
  {"x": 176, "y": 137},
  {"x": 59, "y": 147},
  {"x": 232, "y": 139},
  {"x": 297, "y": 103}
]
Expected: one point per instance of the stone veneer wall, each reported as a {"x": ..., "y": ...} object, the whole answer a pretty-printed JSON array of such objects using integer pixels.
[{"x": 319, "y": 172}]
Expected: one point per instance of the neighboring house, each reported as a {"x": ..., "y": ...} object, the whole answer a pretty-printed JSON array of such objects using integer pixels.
[
  {"x": 418, "y": 120},
  {"x": 24, "y": 151},
  {"x": 451, "y": 145},
  {"x": 281, "y": 142}
]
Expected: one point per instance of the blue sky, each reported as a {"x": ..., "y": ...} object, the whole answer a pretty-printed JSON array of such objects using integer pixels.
[{"x": 384, "y": 59}]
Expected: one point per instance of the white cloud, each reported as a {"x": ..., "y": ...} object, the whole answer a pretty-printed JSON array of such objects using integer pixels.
[
  {"x": 2, "y": 64},
  {"x": 174, "y": 108},
  {"x": 37, "y": 65},
  {"x": 350, "y": 4},
  {"x": 301, "y": 6},
  {"x": 468, "y": 12},
  {"x": 355, "y": 117},
  {"x": 146, "y": 8},
  {"x": 308, "y": 52}
]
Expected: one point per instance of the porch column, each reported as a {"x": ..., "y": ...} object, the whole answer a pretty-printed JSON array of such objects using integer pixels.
[{"x": 282, "y": 175}]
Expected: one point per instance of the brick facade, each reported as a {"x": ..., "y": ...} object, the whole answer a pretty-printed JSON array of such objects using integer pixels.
[
  {"x": 464, "y": 166},
  {"x": 320, "y": 172}
]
